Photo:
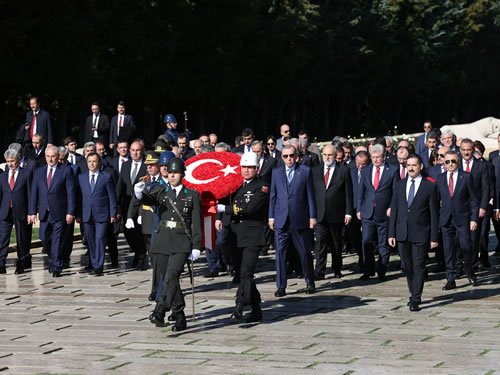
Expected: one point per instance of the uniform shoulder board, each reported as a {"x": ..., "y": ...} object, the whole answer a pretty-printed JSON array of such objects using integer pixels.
[
  {"x": 264, "y": 189},
  {"x": 431, "y": 179}
]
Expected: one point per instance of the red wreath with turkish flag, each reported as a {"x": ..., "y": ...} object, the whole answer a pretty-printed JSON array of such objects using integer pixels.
[{"x": 214, "y": 175}]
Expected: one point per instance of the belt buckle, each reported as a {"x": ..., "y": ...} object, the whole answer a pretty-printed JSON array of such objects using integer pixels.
[{"x": 171, "y": 224}]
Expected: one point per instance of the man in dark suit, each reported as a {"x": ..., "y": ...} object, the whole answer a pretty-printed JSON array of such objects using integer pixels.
[
  {"x": 271, "y": 149},
  {"x": 122, "y": 127},
  {"x": 422, "y": 138},
  {"x": 266, "y": 163},
  {"x": 130, "y": 174},
  {"x": 292, "y": 215},
  {"x": 73, "y": 157},
  {"x": 97, "y": 126},
  {"x": 480, "y": 173},
  {"x": 100, "y": 149},
  {"x": 97, "y": 194},
  {"x": 14, "y": 194},
  {"x": 177, "y": 239},
  {"x": 82, "y": 166},
  {"x": 333, "y": 193},
  {"x": 374, "y": 200},
  {"x": 430, "y": 145},
  {"x": 307, "y": 157},
  {"x": 458, "y": 217},
  {"x": 36, "y": 151},
  {"x": 248, "y": 136},
  {"x": 53, "y": 197},
  {"x": 414, "y": 225},
  {"x": 38, "y": 121},
  {"x": 248, "y": 215},
  {"x": 117, "y": 162},
  {"x": 28, "y": 165}
]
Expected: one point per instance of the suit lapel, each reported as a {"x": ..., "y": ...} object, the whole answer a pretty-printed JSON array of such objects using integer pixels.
[
  {"x": 459, "y": 183},
  {"x": 334, "y": 178}
]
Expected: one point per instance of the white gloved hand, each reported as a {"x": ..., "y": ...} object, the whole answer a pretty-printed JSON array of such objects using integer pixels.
[
  {"x": 221, "y": 208},
  {"x": 129, "y": 224},
  {"x": 139, "y": 220},
  {"x": 138, "y": 188},
  {"x": 195, "y": 254}
]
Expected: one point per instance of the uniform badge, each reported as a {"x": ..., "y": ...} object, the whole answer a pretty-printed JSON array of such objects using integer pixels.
[{"x": 264, "y": 189}]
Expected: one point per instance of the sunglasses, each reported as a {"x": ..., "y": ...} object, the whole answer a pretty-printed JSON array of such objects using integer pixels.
[
  {"x": 287, "y": 156},
  {"x": 451, "y": 161},
  {"x": 270, "y": 143},
  {"x": 286, "y": 131},
  {"x": 441, "y": 155}
]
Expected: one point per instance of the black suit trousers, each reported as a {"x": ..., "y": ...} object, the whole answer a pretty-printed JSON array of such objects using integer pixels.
[
  {"x": 171, "y": 294},
  {"x": 245, "y": 261},
  {"x": 413, "y": 255},
  {"x": 328, "y": 236},
  {"x": 456, "y": 239},
  {"x": 23, "y": 237}
]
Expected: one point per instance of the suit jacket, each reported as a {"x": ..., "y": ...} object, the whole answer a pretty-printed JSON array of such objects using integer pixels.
[
  {"x": 19, "y": 196},
  {"x": 28, "y": 165},
  {"x": 355, "y": 185},
  {"x": 420, "y": 146},
  {"x": 43, "y": 125},
  {"x": 102, "y": 129},
  {"x": 265, "y": 172},
  {"x": 295, "y": 202},
  {"x": 492, "y": 156},
  {"x": 99, "y": 205},
  {"x": 38, "y": 158},
  {"x": 125, "y": 187},
  {"x": 240, "y": 149},
  {"x": 309, "y": 158},
  {"x": 78, "y": 158},
  {"x": 373, "y": 204},
  {"x": 59, "y": 198},
  {"x": 335, "y": 201},
  {"x": 127, "y": 131},
  {"x": 424, "y": 154},
  {"x": 419, "y": 222},
  {"x": 463, "y": 206},
  {"x": 435, "y": 171},
  {"x": 248, "y": 223},
  {"x": 480, "y": 176}
]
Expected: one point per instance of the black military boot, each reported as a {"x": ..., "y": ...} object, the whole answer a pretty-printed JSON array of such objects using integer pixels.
[
  {"x": 255, "y": 314},
  {"x": 158, "y": 315},
  {"x": 180, "y": 322},
  {"x": 237, "y": 315}
]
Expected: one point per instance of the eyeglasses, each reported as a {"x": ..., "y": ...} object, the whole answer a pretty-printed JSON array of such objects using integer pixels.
[
  {"x": 287, "y": 156},
  {"x": 451, "y": 161},
  {"x": 441, "y": 155},
  {"x": 270, "y": 143},
  {"x": 286, "y": 131}
]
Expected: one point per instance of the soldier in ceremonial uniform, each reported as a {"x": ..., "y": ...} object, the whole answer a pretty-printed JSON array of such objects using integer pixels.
[
  {"x": 247, "y": 235},
  {"x": 176, "y": 239}
]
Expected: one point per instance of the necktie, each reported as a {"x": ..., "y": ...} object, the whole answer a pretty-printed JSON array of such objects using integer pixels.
[
  {"x": 134, "y": 172},
  {"x": 12, "y": 181},
  {"x": 326, "y": 177},
  {"x": 49, "y": 177},
  {"x": 450, "y": 185},
  {"x": 411, "y": 193},
  {"x": 290, "y": 175},
  {"x": 403, "y": 173},
  {"x": 153, "y": 179},
  {"x": 467, "y": 166},
  {"x": 120, "y": 124},
  {"x": 92, "y": 183},
  {"x": 95, "y": 120},
  {"x": 71, "y": 159},
  {"x": 33, "y": 123},
  {"x": 376, "y": 180},
  {"x": 359, "y": 176}
]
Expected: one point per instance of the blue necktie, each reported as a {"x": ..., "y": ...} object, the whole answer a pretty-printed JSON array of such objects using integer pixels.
[
  {"x": 92, "y": 183},
  {"x": 290, "y": 175},
  {"x": 411, "y": 193}
]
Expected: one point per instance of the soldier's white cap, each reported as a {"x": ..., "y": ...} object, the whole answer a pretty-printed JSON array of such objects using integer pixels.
[{"x": 249, "y": 159}]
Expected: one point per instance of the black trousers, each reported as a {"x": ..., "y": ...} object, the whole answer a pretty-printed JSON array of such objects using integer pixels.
[
  {"x": 245, "y": 261},
  {"x": 171, "y": 294},
  {"x": 328, "y": 236},
  {"x": 457, "y": 239},
  {"x": 413, "y": 255},
  {"x": 354, "y": 236},
  {"x": 112, "y": 233},
  {"x": 23, "y": 238}
]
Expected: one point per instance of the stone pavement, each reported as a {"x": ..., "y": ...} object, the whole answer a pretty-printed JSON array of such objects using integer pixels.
[{"x": 82, "y": 324}]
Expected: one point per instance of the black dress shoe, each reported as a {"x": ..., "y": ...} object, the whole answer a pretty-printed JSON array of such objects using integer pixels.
[
  {"x": 280, "y": 292},
  {"x": 172, "y": 317},
  {"x": 450, "y": 285},
  {"x": 66, "y": 264},
  {"x": 88, "y": 268},
  {"x": 56, "y": 274},
  {"x": 414, "y": 306},
  {"x": 211, "y": 274},
  {"x": 337, "y": 275},
  {"x": 158, "y": 315},
  {"x": 365, "y": 276},
  {"x": 459, "y": 274},
  {"x": 310, "y": 289},
  {"x": 19, "y": 270},
  {"x": 472, "y": 280},
  {"x": 152, "y": 296},
  {"x": 3, "y": 270},
  {"x": 381, "y": 277},
  {"x": 255, "y": 315},
  {"x": 180, "y": 322},
  {"x": 237, "y": 315},
  {"x": 98, "y": 272},
  {"x": 318, "y": 277}
]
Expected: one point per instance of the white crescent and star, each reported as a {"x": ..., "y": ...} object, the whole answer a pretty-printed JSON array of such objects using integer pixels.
[{"x": 191, "y": 167}]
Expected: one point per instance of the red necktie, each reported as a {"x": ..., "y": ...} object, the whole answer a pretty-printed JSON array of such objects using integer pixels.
[
  {"x": 33, "y": 123},
  {"x": 12, "y": 181},
  {"x": 327, "y": 176},
  {"x": 49, "y": 178},
  {"x": 376, "y": 180},
  {"x": 467, "y": 167},
  {"x": 450, "y": 184},
  {"x": 403, "y": 174}
]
